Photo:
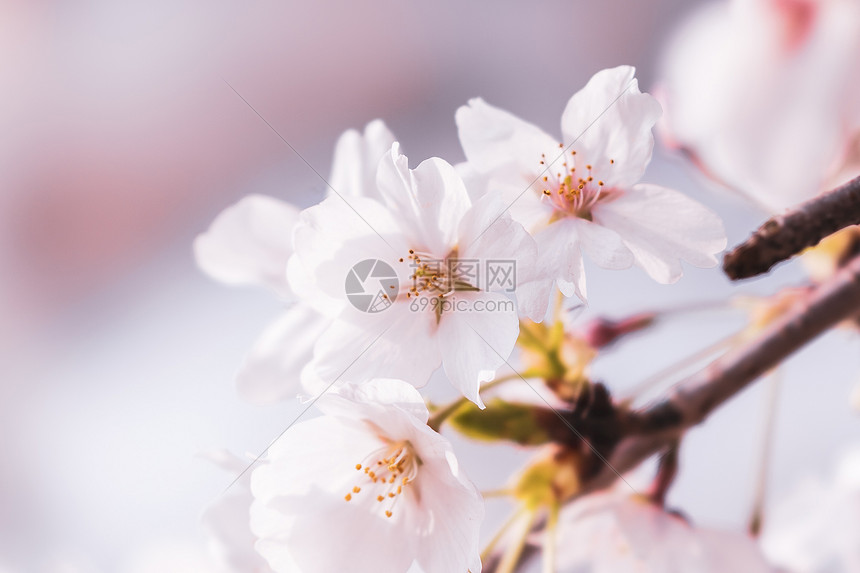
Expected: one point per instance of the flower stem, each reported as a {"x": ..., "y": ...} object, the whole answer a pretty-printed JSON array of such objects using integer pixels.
[
  {"x": 550, "y": 540},
  {"x": 511, "y": 560},
  {"x": 500, "y": 533},
  {"x": 497, "y": 493},
  {"x": 681, "y": 365},
  {"x": 757, "y": 514},
  {"x": 666, "y": 472}
]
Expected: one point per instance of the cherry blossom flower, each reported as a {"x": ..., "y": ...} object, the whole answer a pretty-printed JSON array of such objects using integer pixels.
[
  {"x": 763, "y": 94},
  {"x": 250, "y": 243},
  {"x": 817, "y": 528},
  {"x": 615, "y": 531},
  {"x": 367, "y": 487},
  {"x": 581, "y": 194},
  {"x": 441, "y": 310}
]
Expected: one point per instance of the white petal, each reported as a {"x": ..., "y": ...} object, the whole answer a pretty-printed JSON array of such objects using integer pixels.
[
  {"x": 274, "y": 547},
  {"x": 610, "y": 119},
  {"x": 319, "y": 444},
  {"x": 227, "y": 526},
  {"x": 489, "y": 234},
  {"x": 395, "y": 343},
  {"x": 455, "y": 514},
  {"x": 499, "y": 143},
  {"x": 379, "y": 393},
  {"x": 534, "y": 297},
  {"x": 603, "y": 246},
  {"x": 560, "y": 253},
  {"x": 249, "y": 243},
  {"x": 356, "y": 158},
  {"x": 662, "y": 227},
  {"x": 429, "y": 201},
  {"x": 477, "y": 340},
  {"x": 270, "y": 371},
  {"x": 302, "y": 282},
  {"x": 477, "y": 184},
  {"x": 335, "y": 235}
]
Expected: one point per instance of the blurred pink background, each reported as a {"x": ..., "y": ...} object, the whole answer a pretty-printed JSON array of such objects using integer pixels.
[{"x": 120, "y": 141}]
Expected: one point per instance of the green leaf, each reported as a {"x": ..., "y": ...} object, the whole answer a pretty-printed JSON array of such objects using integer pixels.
[{"x": 500, "y": 420}]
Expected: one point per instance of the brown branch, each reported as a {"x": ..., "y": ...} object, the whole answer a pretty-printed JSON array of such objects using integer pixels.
[
  {"x": 666, "y": 473},
  {"x": 661, "y": 425},
  {"x": 699, "y": 395},
  {"x": 784, "y": 236}
]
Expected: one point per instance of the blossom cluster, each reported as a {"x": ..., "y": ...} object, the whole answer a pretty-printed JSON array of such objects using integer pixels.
[
  {"x": 401, "y": 273},
  {"x": 382, "y": 287}
]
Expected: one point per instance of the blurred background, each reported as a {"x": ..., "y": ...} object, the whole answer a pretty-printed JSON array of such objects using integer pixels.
[{"x": 120, "y": 142}]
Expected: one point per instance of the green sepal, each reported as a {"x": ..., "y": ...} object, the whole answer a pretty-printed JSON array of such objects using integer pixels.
[{"x": 500, "y": 420}]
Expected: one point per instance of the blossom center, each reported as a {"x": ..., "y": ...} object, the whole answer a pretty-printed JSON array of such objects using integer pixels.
[
  {"x": 572, "y": 190},
  {"x": 386, "y": 473},
  {"x": 439, "y": 277}
]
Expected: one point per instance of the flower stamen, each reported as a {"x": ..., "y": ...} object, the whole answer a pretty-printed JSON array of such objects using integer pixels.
[
  {"x": 394, "y": 466},
  {"x": 574, "y": 196}
]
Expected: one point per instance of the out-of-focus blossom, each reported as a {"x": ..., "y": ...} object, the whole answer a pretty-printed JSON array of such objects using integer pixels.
[
  {"x": 581, "y": 194},
  {"x": 616, "y": 531},
  {"x": 765, "y": 94},
  {"x": 763, "y": 311},
  {"x": 250, "y": 243},
  {"x": 828, "y": 256},
  {"x": 601, "y": 332},
  {"x": 227, "y": 522},
  {"x": 437, "y": 306},
  {"x": 817, "y": 528},
  {"x": 367, "y": 487}
]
